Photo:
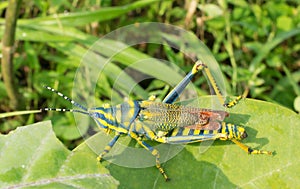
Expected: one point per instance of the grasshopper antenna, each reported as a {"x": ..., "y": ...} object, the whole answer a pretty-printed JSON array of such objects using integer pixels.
[{"x": 83, "y": 110}]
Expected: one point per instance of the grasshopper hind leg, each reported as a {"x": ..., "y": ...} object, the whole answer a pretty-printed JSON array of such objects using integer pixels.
[
  {"x": 249, "y": 150},
  {"x": 235, "y": 101},
  {"x": 200, "y": 66}
]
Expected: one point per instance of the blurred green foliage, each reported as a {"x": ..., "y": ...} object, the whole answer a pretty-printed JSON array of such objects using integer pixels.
[{"x": 256, "y": 43}]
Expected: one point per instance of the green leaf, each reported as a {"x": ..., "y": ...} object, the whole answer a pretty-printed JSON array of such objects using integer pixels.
[
  {"x": 297, "y": 103},
  {"x": 3, "y": 5},
  {"x": 45, "y": 29},
  {"x": 285, "y": 23},
  {"x": 223, "y": 164},
  {"x": 32, "y": 156},
  {"x": 267, "y": 47},
  {"x": 211, "y": 10},
  {"x": 86, "y": 17},
  {"x": 239, "y": 3}
]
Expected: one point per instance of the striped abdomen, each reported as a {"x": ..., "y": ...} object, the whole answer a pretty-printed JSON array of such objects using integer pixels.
[{"x": 186, "y": 135}]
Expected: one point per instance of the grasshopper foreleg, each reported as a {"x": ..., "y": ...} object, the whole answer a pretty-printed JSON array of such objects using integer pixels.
[{"x": 109, "y": 146}]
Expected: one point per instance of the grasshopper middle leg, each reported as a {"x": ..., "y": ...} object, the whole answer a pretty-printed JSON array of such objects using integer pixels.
[{"x": 153, "y": 151}]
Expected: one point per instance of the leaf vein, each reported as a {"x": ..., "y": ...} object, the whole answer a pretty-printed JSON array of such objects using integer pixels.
[{"x": 61, "y": 179}]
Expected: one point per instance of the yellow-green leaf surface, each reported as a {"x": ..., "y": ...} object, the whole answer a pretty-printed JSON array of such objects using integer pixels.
[
  {"x": 35, "y": 158},
  {"x": 223, "y": 164},
  {"x": 32, "y": 157}
]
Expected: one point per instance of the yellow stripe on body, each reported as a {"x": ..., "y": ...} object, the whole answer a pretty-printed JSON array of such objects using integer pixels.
[
  {"x": 185, "y": 131},
  {"x": 108, "y": 116},
  {"x": 196, "y": 132},
  {"x": 125, "y": 113},
  {"x": 175, "y": 131},
  {"x": 215, "y": 132},
  {"x": 223, "y": 134},
  {"x": 138, "y": 127},
  {"x": 112, "y": 127},
  {"x": 223, "y": 128},
  {"x": 132, "y": 108}
]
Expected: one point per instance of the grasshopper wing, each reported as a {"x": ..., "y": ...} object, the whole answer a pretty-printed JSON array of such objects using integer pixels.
[{"x": 165, "y": 117}]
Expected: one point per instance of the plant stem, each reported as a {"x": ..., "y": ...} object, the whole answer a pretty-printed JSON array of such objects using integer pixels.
[
  {"x": 8, "y": 50},
  {"x": 229, "y": 48}
]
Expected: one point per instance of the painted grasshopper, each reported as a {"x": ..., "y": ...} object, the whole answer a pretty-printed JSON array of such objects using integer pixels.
[{"x": 165, "y": 122}]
